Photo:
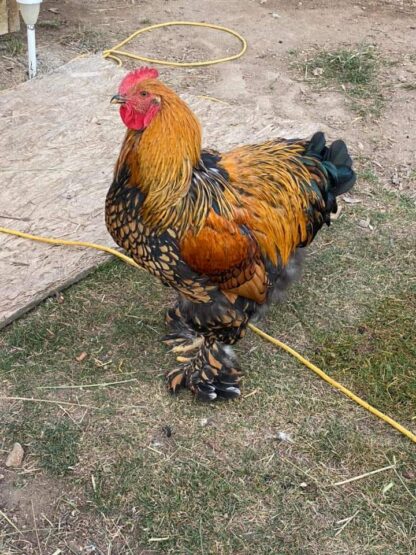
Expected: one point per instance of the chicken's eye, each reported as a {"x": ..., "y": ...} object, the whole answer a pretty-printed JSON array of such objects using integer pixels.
[{"x": 144, "y": 93}]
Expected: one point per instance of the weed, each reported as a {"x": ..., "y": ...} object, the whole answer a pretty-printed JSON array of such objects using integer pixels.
[
  {"x": 376, "y": 355},
  {"x": 12, "y": 45},
  {"x": 353, "y": 70},
  {"x": 369, "y": 175},
  {"x": 58, "y": 446},
  {"x": 50, "y": 24},
  {"x": 85, "y": 40}
]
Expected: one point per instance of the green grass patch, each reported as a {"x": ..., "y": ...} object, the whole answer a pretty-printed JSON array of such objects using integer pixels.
[
  {"x": 369, "y": 175},
  {"x": 376, "y": 356},
  {"x": 351, "y": 70},
  {"x": 58, "y": 446},
  {"x": 11, "y": 44},
  {"x": 53, "y": 442},
  {"x": 50, "y": 24}
]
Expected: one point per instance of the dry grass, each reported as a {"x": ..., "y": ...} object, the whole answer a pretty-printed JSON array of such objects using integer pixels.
[
  {"x": 84, "y": 40},
  {"x": 151, "y": 473},
  {"x": 354, "y": 70},
  {"x": 11, "y": 44}
]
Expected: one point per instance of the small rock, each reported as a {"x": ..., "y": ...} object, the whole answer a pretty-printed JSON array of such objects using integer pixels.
[
  {"x": 365, "y": 224},
  {"x": 156, "y": 444},
  {"x": 15, "y": 457},
  {"x": 303, "y": 485},
  {"x": 351, "y": 200},
  {"x": 90, "y": 549},
  {"x": 1, "y": 477},
  {"x": 283, "y": 436},
  {"x": 210, "y": 421},
  {"x": 409, "y": 474},
  {"x": 318, "y": 71},
  {"x": 275, "y": 15}
]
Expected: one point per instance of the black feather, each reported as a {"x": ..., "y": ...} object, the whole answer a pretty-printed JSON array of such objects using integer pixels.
[{"x": 336, "y": 160}]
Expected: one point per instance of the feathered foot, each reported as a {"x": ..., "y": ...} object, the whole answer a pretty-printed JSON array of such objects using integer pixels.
[
  {"x": 181, "y": 338},
  {"x": 213, "y": 372}
]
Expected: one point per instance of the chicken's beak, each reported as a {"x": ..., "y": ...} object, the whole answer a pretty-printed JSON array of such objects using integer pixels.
[{"x": 118, "y": 99}]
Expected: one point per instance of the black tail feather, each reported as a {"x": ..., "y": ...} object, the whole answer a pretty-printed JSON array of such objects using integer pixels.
[
  {"x": 338, "y": 154},
  {"x": 336, "y": 160}
]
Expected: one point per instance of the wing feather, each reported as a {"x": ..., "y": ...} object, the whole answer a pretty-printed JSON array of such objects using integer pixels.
[{"x": 229, "y": 255}]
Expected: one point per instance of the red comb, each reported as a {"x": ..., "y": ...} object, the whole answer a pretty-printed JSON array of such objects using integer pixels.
[{"x": 136, "y": 76}]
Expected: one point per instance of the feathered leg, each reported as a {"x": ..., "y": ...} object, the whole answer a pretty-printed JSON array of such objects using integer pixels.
[
  {"x": 212, "y": 372},
  {"x": 181, "y": 337},
  {"x": 202, "y": 334}
]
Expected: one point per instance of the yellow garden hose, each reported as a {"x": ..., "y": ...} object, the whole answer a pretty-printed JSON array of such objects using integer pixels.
[
  {"x": 49, "y": 241},
  {"x": 115, "y": 52},
  {"x": 256, "y": 330}
]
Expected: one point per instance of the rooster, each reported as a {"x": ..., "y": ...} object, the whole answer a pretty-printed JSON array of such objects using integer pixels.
[{"x": 222, "y": 229}]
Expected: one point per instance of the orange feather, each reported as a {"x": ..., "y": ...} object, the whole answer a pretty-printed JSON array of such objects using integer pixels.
[{"x": 228, "y": 256}]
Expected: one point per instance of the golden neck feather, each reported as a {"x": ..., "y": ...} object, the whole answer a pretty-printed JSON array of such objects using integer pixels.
[{"x": 162, "y": 161}]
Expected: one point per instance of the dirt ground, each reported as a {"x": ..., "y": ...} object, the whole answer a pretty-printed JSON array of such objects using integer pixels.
[{"x": 263, "y": 79}]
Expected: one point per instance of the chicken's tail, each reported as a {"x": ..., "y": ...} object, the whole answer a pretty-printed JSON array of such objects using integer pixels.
[{"x": 336, "y": 161}]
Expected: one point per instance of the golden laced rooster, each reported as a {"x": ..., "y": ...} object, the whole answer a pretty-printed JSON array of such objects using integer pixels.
[{"x": 223, "y": 229}]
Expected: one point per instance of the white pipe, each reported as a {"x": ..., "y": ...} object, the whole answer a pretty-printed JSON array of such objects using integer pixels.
[{"x": 31, "y": 50}]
